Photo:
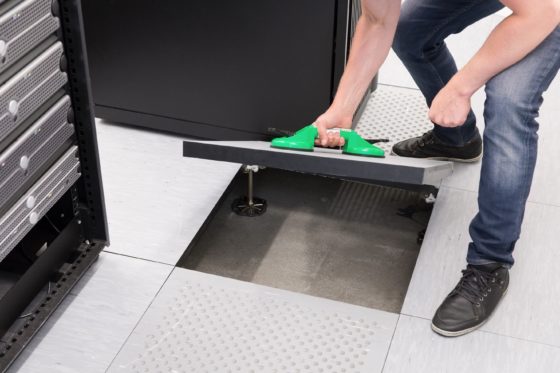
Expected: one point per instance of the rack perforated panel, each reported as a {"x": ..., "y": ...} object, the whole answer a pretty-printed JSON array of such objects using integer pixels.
[
  {"x": 38, "y": 200},
  {"x": 23, "y": 27},
  {"x": 30, "y": 88},
  {"x": 35, "y": 147}
]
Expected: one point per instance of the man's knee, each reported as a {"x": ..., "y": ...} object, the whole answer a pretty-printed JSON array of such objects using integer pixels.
[
  {"x": 407, "y": 41},
  {"x": 510, "y": 95},
  {"x": 519, "y": 89},
  {"x": 510, "y": 114}
]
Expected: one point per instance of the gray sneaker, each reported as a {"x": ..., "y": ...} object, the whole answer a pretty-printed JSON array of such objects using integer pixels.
[{"x": 473, "y": 300}]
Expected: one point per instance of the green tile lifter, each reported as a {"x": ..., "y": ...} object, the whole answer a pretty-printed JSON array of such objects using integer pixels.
[{"x": 304, "y": 139}]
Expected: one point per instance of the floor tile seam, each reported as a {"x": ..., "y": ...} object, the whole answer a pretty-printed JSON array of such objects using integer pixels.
[
  {"x": 139, "y": 321},
  {"x": 529, "y": 201},
  {"x": 390, "y": 344},
  {"x": 109, "y": 251},
  {"x": 532, "y": 341},
  {"x": 399, "y": 86}
]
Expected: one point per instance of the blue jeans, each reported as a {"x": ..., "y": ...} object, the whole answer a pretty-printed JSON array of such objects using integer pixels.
[{"x": 512, "y": 106}]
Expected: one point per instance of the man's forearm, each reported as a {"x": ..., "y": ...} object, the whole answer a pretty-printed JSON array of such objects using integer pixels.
[
  {"x": 370, "y": 47},
  {"x": 510, "y": 42}
]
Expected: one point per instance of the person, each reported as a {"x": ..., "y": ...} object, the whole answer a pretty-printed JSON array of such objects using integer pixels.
[{"x": 516, "y": 63}]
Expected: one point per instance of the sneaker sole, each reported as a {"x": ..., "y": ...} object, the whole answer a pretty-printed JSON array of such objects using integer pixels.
[
  {"x": 460, "y": 160},
  {"x": 459, "y": 333}
]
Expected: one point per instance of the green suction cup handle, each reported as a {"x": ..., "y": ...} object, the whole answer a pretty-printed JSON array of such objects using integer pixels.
[
  {"x": 304, "y": 139},
  {"x": 356, "y": 145}
]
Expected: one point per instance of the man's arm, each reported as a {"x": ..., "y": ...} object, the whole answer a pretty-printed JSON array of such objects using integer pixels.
[
  {"x": 370, "y": 47},
  {"x": 513, "y": 39}
]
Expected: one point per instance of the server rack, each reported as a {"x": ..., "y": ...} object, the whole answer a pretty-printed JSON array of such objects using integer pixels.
[
  {"x": 52, "y": 213},
  {"x": 217, "y": 70}
]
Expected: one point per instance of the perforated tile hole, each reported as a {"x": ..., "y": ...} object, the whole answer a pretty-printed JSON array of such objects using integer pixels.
[
  {"x": 203, "y": 326},
  {"x": 395, "y": 114}
]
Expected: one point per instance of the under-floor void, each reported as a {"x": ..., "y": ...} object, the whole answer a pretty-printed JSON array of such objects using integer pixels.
[{"x": 350, "y": 242}]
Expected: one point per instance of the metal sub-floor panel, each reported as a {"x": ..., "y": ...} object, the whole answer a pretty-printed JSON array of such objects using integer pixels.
[
  {"x": 417, "y": 349},
  {"x": 24, "y": 27},
  {"x": 31, "y": 150},
  {"x": 327, "y": 162},
  {"x": 205, "y": 323},
  {"x": 30, "y": 88},
  {"x": 395, "y": 114}
]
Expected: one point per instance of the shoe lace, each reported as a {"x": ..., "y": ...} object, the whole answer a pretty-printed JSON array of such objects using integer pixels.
[
  {"x": 426, "y": 138},
  {"x": 474, "y": 284}
]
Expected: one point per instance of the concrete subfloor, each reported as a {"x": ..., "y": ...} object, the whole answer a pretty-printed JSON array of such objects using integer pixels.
[{"x": 324, "y": 237}]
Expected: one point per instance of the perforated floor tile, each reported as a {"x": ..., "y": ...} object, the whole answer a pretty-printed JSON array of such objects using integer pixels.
[
  {"x": 395, "y": 114},
  {"x": 206, "y": 323}
]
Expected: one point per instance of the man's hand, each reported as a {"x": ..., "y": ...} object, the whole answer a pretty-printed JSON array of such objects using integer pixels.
[
  {"x": 450, "y": 107},
  {"x": 328, "y": 121}
]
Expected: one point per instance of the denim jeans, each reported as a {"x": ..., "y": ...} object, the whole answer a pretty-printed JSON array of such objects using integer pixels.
[{"x": 512, "y": 105}]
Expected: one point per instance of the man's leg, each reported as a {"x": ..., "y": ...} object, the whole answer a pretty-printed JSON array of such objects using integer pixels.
[
  {"x": 514, "y": 98},
  {"x": 419, "y": 43}
]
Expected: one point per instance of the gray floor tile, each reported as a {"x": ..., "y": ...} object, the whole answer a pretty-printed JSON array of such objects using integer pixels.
[
  {"x": 395, "y": 114},
  {"x": 416, "y": 349},
  {"x": 204, "y": 323},
  {"x": 156, "y": 199},
  {"x": 531, "y": 307},
  {"x": 93, "y": 322}
]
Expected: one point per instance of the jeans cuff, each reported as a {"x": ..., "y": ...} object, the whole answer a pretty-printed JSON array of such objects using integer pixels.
[
  {"x": 456, "y": 136},
  {"x": 480, "y": 262}
]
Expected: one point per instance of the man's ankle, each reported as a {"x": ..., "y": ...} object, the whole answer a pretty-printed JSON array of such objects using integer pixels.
[{"x": 457, "y": 136}]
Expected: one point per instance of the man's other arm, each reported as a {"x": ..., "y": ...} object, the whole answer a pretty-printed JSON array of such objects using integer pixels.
[{"x": 513, "y": 39}]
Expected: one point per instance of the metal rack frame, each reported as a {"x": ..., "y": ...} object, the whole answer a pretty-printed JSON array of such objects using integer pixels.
[{"x": 79, "y": 243}]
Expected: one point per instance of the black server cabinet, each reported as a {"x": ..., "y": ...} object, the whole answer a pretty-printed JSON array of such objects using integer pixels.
[
  {"x": 52, "y": 213},
  {"x": 217, "y": 69}
]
